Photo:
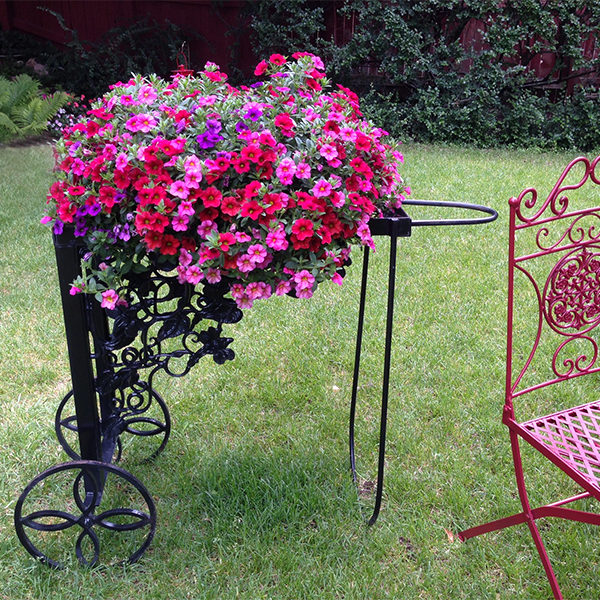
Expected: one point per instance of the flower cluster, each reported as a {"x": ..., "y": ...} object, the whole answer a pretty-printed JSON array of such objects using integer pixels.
[
  {"x": 266, "y": 185},
  {"x": 68, "y": 115}
]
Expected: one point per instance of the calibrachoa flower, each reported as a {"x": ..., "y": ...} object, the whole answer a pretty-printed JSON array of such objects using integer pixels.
[{"x": 265, "y": 186}]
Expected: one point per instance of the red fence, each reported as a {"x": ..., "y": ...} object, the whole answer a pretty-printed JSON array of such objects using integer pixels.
[{"x": 220, "y": 25}]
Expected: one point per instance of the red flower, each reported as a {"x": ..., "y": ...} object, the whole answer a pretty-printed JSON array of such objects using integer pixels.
[
  {"x": 230, "y": 205},
  {"x": 303, "y": 229},
  {"x": 277, "y": 59},
  {"x": 144, "y": 221},
  {"x": 251, "y": 153},
  {"x": 211, "y": 197},
  {"x": 363, "y": 142},
  {"x": 226, "y": 240},
  {"x": 251, "y": 189},
  {"x": 153, "y": 240},
  {"x": 121, "y": 179},
  {"x": 169, "y": 245},
  {"x": 107, "y": 196},
  {"x": 241, "y": 165},
  {"x": 251, "y": 209},
  {"x": 76, "y": 190},
  {"x": 261, "y": 67},
  {"x": 284, "y": 121},
  {"x": 91, "y": 128}
]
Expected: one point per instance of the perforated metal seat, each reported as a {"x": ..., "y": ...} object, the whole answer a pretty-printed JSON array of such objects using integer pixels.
[{"x": 572, "y": 437}]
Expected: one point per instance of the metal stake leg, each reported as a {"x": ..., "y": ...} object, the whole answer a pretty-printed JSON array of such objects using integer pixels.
[{"x": 386, "y": 372}]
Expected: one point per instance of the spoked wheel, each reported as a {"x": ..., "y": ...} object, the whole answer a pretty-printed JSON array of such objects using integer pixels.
[
  {"x": 99, "y": 510},
  {"x": 142, "y": 413}
]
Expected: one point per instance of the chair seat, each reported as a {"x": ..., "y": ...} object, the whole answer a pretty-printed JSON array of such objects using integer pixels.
[{"x": 573, "y": 437}]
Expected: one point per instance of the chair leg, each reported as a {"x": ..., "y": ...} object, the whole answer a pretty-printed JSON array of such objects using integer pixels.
[
  {"x": 530, "y": 518},
  {"x": 526, "y": 516}
]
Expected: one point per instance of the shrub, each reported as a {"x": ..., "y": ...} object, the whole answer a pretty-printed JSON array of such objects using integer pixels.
[{"x": 410, "y": 60}]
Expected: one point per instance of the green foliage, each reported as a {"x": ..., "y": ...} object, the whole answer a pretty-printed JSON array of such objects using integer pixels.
[
  {"x": 90, "y": 67},
  {"x": 24, "y": 110},
  {"x": 410, "y": 60}
]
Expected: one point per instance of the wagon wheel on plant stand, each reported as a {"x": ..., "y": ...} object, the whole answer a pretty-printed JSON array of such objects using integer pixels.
[
  {"x": 97, "y": 509},
  {"x": 138, "y": 411}
]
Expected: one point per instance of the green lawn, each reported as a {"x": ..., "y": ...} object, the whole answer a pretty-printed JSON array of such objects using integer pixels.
[{"x": 253, "y": 492}]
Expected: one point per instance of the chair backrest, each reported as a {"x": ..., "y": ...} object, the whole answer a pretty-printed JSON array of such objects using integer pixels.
[{"x": 554, "y": 282}]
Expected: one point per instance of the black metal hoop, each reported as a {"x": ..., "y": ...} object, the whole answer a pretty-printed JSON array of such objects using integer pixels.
[{"x": 398, "y": 225}]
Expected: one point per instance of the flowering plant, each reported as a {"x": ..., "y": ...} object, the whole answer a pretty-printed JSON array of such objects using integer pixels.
[
  {"x": 267, "y": 185},
  {"x": 67, "y": 116}
]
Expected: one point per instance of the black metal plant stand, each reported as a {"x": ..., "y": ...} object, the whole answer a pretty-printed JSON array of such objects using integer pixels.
[
  {"x": 99, "y": 505},
  {"x": 399, "y": 225}
]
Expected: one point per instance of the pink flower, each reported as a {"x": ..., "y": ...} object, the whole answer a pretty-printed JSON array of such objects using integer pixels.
[
  {"x": 146, "y": 122},
  {"x": 147, "y": 94},
  {"x": 245, "y": 263},
  {"x": 206, "y": 228},
  {"x": 180, "y": 222},
  {"x": 282, "y": 288},
  {"x": 213, "y": 275},
  {"x": 303, "y": 280},
  {"x": 185, "y": 209},
  {"x": 191, "y": 163},
  {"x": 328, "y": 151},
  {"x": 303, "y": 171},
  {"x": 304, "y": 293},
  {"x": 347, "y": 134},
  {"x": 121, "y": 161},
  {"x": 338, "y": 199},
  {"x": 179, "y": 189},
  {"x": 244, "y": 301},
  {"x": 321, "y": 189},
  {"x": 194, "y": 275},
  {"x": 286, "y": 169},
  {"x": 276, "y": 239},
  {"x": 193, "y": 178},
  {"x": 109, "y": 299},
  {"x": 242, "y": 237},
  {"x": 257, "y": 252},
  {"x": 185, "y": 258}
]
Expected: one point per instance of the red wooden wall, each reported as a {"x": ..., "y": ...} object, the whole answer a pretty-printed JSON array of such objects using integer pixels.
[{"x": 219, "y": 23}]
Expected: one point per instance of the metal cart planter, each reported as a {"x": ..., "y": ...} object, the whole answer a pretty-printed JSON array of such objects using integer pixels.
[
  {"x": 163, "y": 326},
  {"x": 114, "y": 355}
]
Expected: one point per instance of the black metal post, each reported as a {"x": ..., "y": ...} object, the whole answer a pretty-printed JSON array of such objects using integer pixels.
[{"x": 78, "y": 343}]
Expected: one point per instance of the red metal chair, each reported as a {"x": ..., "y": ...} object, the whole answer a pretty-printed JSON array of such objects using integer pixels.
[{"x": 554, "y": 284}]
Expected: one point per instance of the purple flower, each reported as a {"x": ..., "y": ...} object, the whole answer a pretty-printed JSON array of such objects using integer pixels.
[
  {"x": 73, "y": 149},
  {"x": 213, "y": 126},
  {"x": 94, "y": 209},
  {"x": 58, "y": 227},
  {"x": 253, "y": 113},
  {"x": 241, "y": 126},
  {"x": 207, "y": 140}
]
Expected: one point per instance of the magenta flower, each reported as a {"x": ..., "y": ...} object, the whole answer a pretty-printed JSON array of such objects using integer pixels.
[
  {"x": 147, "y": 94},
  {"x": 321, "y": 189},
  {"x": 303, "y": 280}
]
